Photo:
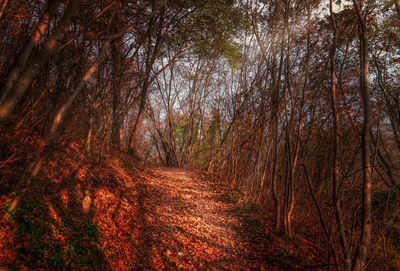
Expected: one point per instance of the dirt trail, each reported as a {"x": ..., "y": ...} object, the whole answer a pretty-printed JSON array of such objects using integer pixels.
[
  {"x": 118, "y": 217},
  {"x": 188, "y": 224}
]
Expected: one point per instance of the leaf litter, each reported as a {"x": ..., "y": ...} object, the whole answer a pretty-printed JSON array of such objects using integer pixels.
[{"x": 116, "y": 214}]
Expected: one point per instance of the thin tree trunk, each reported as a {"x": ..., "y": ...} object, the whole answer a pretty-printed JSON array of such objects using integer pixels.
[
  {"x": 150, "y": 59},
  {"x": 319, "y": 210},
  {"x": 335, "y": 192},
  {"x": 3, "y": 6},
  {"x": 25, "y": 52},
  {"x": 359, "y": 261},
  {"x": 116, "y": 84},
  {"x": 397, "y": 4},
  {"x": 289, "y": 179},
  {"x": 30, "y": 72},
  {"x": 276, "y": 85},
  {"x": 88, "y": 142},
  {"x": 138, "y": 122},
  {"x": 288, "y": 184},
  {"x": 297, "y": 146},
  {"x": 34, "y": 167}
]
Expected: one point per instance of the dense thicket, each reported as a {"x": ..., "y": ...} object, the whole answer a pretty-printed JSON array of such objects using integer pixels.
[{"x": 294, "y": 102}]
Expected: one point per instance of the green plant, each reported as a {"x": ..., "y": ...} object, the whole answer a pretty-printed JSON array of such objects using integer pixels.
[
  {"x": 91, "y": 229},
  {"x": 229, "y": 196}
]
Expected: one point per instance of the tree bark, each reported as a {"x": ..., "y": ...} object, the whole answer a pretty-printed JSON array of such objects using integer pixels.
[
  {"x": 397, "y": 4},
  {"x": 335, "y": 173},
  {"x": 289, "y": 178},
  {"x": 116, "y": 84},
  {"x": 276, "y": 86},
  {"x": 294, "y": 160},
  {"x": 3, "y": 5},
  {"x": 150, "y": 59},
  {"x": 138, "y": 122},
  {"x": 319, "y": 210},
  {"x": 34, "y": 167},
  {"x": 359, "y": 261},
  {"x": 31, "y": 71},
  {"x": 26, "y": 51}
]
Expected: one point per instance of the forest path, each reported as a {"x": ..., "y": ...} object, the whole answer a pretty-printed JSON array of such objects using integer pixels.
[
  {"x": 120, "y": 216},
  {"x": 190, "y": 224}
]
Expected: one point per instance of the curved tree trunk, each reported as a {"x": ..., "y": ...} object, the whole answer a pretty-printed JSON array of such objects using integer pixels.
[
  {"x": 31, "y": 71},
  {"x": 34, "y": 167},
  {"x": 26, "y": 51},
  {"x": 150, "y": 59},
  {"x": 359, "y": 261},
  {"x": 138, "y": 122}
]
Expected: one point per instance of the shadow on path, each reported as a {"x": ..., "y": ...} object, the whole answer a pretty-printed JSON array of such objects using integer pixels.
[
  {"x": 84, "y": 215},
  {"x": 188, "y": 225}
]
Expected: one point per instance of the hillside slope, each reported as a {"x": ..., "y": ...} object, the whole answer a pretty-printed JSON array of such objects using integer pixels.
[{"x": 109, "y": 214}]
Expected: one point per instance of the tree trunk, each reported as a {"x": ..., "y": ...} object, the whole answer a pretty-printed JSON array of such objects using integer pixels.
[
  {"x": 289, "y": 179},
  {"x": 34, "y": 167},
  {"x": 276, "y": 85},
  {"x": 3, "y": 5},
  {"x": 116, "y": 85},
  {"x": 30, "y": 72},
  {"x": 359, "y": 261},
  {"x": 26, "y": 51},
  {"x": 397, "y": 4},
  {"x": 320, "y": 216},
  {"x": 335, "y": 173},
  {"x": 150, "y": 59},
  {"x": 138, "y": 122}
]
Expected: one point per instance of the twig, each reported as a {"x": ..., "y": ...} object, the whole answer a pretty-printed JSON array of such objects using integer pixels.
[
  {"x": 311, "y": 243},
  {"x": 9, "y": 160}
]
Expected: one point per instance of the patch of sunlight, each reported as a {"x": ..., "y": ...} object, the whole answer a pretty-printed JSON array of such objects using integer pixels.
[
  {"x": 103, "y": 196},
  {"x": 57, "y": 180},
  {"x": 78, "y": 187},
  {"x": 186, "y": 196},
  {"x": 55, "y": 225},
  {"x": 53, "y": 212},
  {"x": 123, "y": 174},
  {"x": 115, "y": 164},
  {"x": 64, "y": 198},
  {"x": 196, "y": 191},
  {"x": 82, "y": 173},
  {"x": 75, "y": 146},
  {"x": 156, "y": 259},
  {"x": 86, "y": 202}
]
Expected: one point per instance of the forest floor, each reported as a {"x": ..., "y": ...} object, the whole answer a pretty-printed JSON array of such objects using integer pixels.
[
  {"x": 192, "y": 225},
  {"x": 83, "y": 214}
]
